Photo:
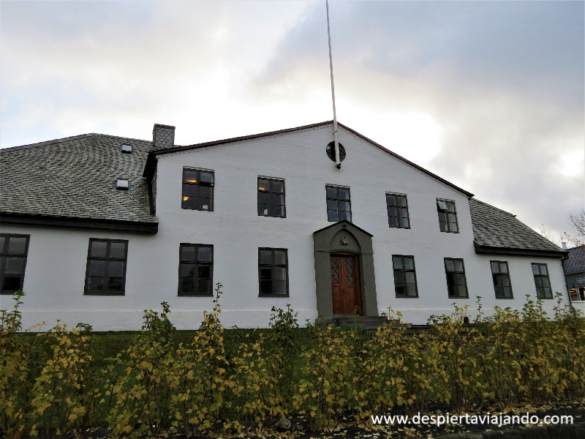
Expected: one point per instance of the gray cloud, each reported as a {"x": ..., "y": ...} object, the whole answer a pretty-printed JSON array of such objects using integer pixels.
[{"x": 504, "y": 80}]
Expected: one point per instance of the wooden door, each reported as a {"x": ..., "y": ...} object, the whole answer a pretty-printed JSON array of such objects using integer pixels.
[{"x": 345, "y": 284}]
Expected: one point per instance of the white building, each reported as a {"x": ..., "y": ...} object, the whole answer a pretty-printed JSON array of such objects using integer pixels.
[{"x": 97, "y": 228}]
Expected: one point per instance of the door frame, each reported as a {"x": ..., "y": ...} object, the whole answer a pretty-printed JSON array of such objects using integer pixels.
[{"x": 356, "y": 241}]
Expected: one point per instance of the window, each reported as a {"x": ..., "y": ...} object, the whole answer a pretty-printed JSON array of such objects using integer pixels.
[
  {"x": 196, "y": 270},
  {"x": 543, "y": 289},
  {"x": 273, "y": 271},
  {"x": 577, "y": 294},
  {"x": 338, "y": 203},
  {"x": 447, "y": 216},
  {"x": 13, "y": 253},
  {"x": 106, "y": 267},
  {"x": 397, "y": 211},
  {"x": 404, "y": 276},
  {"x": 456, "y": 282},
  {"x": 122, "y": 185},
  {"x": 271, "y": 197},
  {"x": 197, "y": 189},
  {"x": 126, "y": 149},
  {"x": 501, "y": 278}
]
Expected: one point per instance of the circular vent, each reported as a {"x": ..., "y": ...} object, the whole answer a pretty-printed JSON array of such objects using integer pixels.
[{"x": 331, "y": 151}]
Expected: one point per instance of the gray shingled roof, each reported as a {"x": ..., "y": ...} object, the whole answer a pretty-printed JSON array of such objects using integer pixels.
[
  {"x": 76, "y": 177},
  {"x": 493, "y": 227},
  {"x": 576, "y": 261}
]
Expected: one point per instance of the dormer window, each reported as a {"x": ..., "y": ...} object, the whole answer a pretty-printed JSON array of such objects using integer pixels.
[
  {"x": 126, "y": 149},
  {"x": 122, "y": 185}
]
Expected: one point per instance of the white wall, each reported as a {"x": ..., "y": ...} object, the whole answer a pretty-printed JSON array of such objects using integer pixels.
[{"x": 57, "y": 258}]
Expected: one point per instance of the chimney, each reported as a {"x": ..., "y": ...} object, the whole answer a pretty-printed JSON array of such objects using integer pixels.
[
  {"x": 163, "y": 136},
  {"x": 564, "y": 245}
]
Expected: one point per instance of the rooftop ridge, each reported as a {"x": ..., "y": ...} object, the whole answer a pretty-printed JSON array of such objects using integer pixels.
[
  {"x": 492, "y": 206},
  {"x": 66, "y": 139}
]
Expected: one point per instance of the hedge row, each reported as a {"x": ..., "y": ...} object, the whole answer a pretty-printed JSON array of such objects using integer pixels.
[{"x": 506, "y": 359}]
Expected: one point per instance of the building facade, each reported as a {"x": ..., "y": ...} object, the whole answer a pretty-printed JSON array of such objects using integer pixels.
[{"x": 98, "y": 228}]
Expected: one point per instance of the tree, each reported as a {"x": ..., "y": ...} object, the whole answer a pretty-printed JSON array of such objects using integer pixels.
[{"x": 577, "y": 223}]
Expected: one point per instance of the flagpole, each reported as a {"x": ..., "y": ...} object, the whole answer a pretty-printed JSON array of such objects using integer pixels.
[{"x": 337, "y": 158}]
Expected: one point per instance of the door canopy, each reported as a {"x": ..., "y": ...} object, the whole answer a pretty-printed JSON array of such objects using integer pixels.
[{"x": 344, "y": 237}]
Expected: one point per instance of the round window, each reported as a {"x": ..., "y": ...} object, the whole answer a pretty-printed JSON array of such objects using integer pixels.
[{"x": 331, "y": 151}]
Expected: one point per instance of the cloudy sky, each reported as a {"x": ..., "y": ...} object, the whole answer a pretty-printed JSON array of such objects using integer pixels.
[{"x": 489, "y": 95}]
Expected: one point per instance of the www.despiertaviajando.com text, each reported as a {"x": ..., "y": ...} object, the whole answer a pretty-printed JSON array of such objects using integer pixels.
[{"x": 498, "y": 420}]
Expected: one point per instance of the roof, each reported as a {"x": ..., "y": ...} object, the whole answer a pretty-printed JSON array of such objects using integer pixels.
[
  {"x": 576, "y": 261},
  {"x": 75, "y": 177},
  {"x": 174, "y": 149},
  {"x": 495, "y": 229}
]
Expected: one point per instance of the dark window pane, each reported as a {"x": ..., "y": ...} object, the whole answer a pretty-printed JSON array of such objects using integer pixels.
[
  {"x": 279, "y": 273},
  {"x": 204, "y": 272},
  {"x": 116, "y": 268},
  {"x": 11, "y": 283},
  {"x": 263, "y": 185},
  {"x": 189, "y": 203},
  {"x": 410, "y": 277},
  {"x": 118, "y": 250},
  {"x": 399, "y": 277},
  {"x": 190, "y": 190},
  {"x": 331, "y": 192},
  {"x": 207, "y": 177},
  {"x": 266, "y": 287},
  {"x": 397, "y": 262},
  {"x": 97, "y": 268},
  {"x": 188, "y": 253},
  {"x": 187, "y": 270},
  {"x": 449, "y": 265},
  {"x": 458, "y": 265},
  {"x": 547, "y": 292},
  {"x": 344, "y": 216},
  {"x": 442, "y": 205},
  {"x": 495, "y": 267},
  {"x": 95, "y": 284},
  {"x": 503, "y": 267},
  {"x": 115, "y": 284},
  {"x": 404, "y": 223},
  {"x": 401, "y": 201},
  {"x": 411, "y": 290},
  {"x": 393, "y": 221},
  {"x": 279, "y": 211},
  {"x": 190, "y": 176},
  {"x": 2, "y": 243},
  {"x": 343, "y": 193},
  {"x": 535, "y": 269},
  {"x": 206, "y": 204},
  {"x": 543, "y": 270},
  {"x": 390, "y": 200},
  {"x": 507, "y": 292},
  {"x": 400, "y": 290},
  {"x": 187, "y": 285},
  {"x": 332, "y": 215},
  {"x": 499, "y": 292},
  {"x": 506, "y": 281},
  {"x": 462, "y": 289},
  {"x": 16, "y": 245},
  {"x": 278, "y": 186},
  {"x": 14, "y": 266},
  {"x": 280, "y": 287},
  {"x": 403, "y": 213},
  {"x": 265, "y": 257},
  {"x": 266, "y": 273},
  {"x": 538, "y": 281},
  {"x": 279, "y": 257},
  {"x": 344, "y": 206},
  {"x": 409, "y": 263},
  {"x": 392, "y": 212},
  {"x": 98, "y": 249},
  {"x": 205, "y": 191},
  {"x": 332, "y": 204},
  {"x": 278, "y": 199},
  {"x": 203, "y": 286},
  {"x": 545, "y": 282},
  {"x": 460, "y": 279},
  {"x": 204, "y": 254}
]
